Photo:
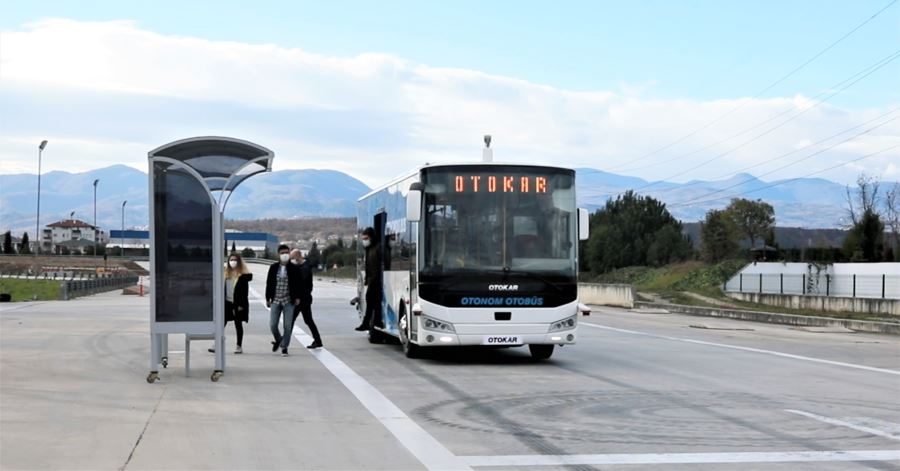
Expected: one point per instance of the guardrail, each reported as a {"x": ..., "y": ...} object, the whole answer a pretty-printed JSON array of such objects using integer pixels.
[{"x": 69, "y": 289}]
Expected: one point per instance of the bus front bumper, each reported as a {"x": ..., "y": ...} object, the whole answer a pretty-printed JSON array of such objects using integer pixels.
[{"x": 440, "y": 339}]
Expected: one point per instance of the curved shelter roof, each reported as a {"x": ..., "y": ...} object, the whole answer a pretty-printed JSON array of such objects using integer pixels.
[{"x": 222, "y": 162}]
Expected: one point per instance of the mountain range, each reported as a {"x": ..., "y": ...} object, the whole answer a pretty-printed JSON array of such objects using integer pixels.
[{"x": 805, "y": 202}]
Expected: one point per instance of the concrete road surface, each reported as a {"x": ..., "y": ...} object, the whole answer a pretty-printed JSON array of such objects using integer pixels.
[{"x": 639, "y": 391}]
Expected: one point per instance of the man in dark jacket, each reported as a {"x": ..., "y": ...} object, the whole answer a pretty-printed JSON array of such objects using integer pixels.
[
  {"x": 282, "y": 295},
  {"x": 306, "y": 287},
  {"x": 372, "y": 316}
]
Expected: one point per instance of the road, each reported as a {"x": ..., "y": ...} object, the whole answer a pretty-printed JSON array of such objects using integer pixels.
[{"x": 639, "y": 391}]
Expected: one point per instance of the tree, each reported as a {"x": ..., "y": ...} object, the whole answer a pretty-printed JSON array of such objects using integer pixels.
[
  {"x": 634, "y": 230},
  {"x": 24, "y": 248},
  {"x": 718, "y": 236},
  {"x": 7, "y": 243},
  {"x": 865, "y": 241},
  {"x": 892, "y": 218},
  {"x": 314, "y": 256},
  {"x": 866, "y": 199},
  {"x": 248, "y": 253},
  {"x": 752, "y": 219},
  {"x": 233, "y": 247}
]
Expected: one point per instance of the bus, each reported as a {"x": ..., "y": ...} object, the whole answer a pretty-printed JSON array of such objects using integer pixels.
[{"x": 478, "y": 253}]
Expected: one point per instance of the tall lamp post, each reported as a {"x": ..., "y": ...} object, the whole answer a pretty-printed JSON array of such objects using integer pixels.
[
  {"x": 37, "y": 222},
  {"x": 95, "y": 216},
  {"x": 122, "y": 241}
]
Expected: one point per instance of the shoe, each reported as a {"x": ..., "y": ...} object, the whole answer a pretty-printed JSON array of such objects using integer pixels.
[
  {"x": 315, "y": 345},
  {"x": 211, "y": 350},
  {"x": 238, "y": 350},
  {"x": 361, "y": 328},
  {"x": 284, "y": 352},
  {"x": 274, "y": 346}
]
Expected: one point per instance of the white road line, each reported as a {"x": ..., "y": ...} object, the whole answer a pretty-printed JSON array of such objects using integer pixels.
[
  {"x": 419, "y": 442},
  {"x": 845, "y": 423},
  {"x": 747, "y": 349},
  {"x": 683, "y": 458}
]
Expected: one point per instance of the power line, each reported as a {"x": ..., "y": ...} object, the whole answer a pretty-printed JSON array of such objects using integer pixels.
[
  {"x": 855, "y": 78},
  {"x": 688, "y": 202},
  {"x": 759, "y": 93},
  {"x": 782, "y": 182}
]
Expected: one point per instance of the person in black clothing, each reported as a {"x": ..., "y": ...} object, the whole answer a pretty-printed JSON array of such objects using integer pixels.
[
  {"x": 237, "y": 306},
  {"x": 306, "y": 287},
  {"x": 282, "y": 295},
  {"x": 372, "y": 317}
]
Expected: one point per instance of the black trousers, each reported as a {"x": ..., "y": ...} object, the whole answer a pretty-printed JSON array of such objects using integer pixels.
[
  {"x": 372, "y": 316},
  {"x": 305, "y": 307},
  {"x": 230, "y": 314}
]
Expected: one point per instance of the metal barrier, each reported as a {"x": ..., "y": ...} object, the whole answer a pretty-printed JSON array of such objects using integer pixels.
[
  {"x": 844, "y": 286},
  {"x": 73, "y": 288}
]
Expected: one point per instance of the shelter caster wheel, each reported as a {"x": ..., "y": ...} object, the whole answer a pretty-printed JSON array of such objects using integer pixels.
[
  {"x": 165, "y": 362},
  {"x": 214, "y": 377},
  {"x": 153, "y": 377}
]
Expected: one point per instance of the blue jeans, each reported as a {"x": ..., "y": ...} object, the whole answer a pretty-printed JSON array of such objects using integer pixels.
[{"x": 286, "y": 312}]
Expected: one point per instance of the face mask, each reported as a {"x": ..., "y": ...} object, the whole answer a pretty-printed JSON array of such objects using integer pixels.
[
  {"x": 284, "y": 257},
  {"x": 366, "y": 242},
  {"x": 232, "y": 263},
  {"x": 295, "y": 261}
]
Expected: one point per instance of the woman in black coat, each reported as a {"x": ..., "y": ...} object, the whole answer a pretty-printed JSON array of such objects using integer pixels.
[{"x": 237, "y": 286}]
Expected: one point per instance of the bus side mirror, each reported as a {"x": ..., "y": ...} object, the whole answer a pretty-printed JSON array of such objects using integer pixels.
[
  {"x": 414, "y": 205},
  {"x": 583, "y": 224}
]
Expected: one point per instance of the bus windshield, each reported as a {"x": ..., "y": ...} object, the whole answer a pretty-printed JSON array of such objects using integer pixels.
[{"x": 489, "y": 218}]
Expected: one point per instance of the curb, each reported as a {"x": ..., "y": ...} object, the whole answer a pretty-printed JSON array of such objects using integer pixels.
[{"x": 773, "y": 318}]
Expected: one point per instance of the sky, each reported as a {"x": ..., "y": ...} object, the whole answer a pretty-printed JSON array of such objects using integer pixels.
[{"x": 654, "y": 89}]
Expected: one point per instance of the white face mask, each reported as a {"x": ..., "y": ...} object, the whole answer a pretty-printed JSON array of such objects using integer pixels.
[
  {"x": 366, "y": 242},
  {"x": 295, "y": 261},
  {"x": 284, "y": 257},
  {"x": 232, "y": 263}
]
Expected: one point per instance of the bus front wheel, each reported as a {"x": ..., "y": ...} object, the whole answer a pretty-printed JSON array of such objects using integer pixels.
[{"x": 540, "y": 352}]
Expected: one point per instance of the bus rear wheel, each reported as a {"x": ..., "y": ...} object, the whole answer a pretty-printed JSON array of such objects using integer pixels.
[{"x": 540, "y": 352}]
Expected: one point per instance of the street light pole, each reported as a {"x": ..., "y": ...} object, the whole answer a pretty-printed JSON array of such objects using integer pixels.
[
  {"x": 122, "y": 241},
  {"x": 95, "y": 216},
  {"x": 37, "y": 222}
]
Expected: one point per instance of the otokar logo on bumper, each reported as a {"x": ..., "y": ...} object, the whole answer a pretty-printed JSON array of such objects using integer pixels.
[{"x": 503, "y": 287}]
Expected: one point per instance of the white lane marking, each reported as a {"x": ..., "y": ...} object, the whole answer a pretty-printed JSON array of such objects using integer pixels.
[
  {"x": 683, "y": 458},
  {"x": 747, "y": 349},
  {"x": 420, "y": 443},
  {"x": 856, "y": 425}
]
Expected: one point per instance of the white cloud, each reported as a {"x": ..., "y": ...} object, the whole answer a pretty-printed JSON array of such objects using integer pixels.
[{"x": 372, "y": 115}]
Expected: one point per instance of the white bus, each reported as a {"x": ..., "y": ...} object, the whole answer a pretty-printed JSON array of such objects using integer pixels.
[{"x": 476, "y": 254}]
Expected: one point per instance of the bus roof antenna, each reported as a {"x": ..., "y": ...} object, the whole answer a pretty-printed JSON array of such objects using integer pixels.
[{"x": 487, "y": 155}]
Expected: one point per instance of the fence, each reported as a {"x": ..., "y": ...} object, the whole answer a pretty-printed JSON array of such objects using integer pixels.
[
  {"x": 73, "y": 288},
  {"x": 845, "y": 286}
]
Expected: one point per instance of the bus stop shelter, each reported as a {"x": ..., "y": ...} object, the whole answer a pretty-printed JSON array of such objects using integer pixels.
[{"x": 190, "y": 182}]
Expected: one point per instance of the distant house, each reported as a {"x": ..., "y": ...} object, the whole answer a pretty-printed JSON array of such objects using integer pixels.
[{"x": 73, "y": 234}]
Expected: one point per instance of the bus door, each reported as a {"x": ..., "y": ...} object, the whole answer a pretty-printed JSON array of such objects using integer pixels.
[{"x": 378, "y": 223}]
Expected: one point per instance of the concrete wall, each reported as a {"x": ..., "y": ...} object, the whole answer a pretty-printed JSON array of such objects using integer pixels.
[
  {"x": 606, "y": 294},
  {"x": 823, "y": 303}
]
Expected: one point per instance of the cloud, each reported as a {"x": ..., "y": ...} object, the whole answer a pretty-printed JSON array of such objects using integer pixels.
[{"x": 107, "y": 92}]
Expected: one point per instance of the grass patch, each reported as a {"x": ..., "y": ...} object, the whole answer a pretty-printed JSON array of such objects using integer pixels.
[{"x": 25, "y": 290}]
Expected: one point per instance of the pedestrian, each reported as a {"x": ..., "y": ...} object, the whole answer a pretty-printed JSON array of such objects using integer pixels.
[
  {"x": 237, "y": 305},
  {"x": 306, "y": 288},
  {"x": 282, "y": 295},
  {"x": 372, "y": 281}
]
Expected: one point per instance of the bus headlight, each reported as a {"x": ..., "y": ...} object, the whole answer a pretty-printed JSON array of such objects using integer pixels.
[
  {"x": 565, "y": 324},
  {"x": 434, "y": 324}
]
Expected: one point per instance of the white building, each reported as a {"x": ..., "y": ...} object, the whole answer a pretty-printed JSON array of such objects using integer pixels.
[{"x": 74, "y": 234}]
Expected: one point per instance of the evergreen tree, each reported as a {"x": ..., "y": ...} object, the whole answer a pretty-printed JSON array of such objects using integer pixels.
[
  {"x": 718, "y": 237},
  {"x": 865, "y": 241},
  {"x": 7, "y": 243},
  {"x": 24, "y": 248},
  {"x": 634, "y": 230},
  {"x": 314, "y": 256}
]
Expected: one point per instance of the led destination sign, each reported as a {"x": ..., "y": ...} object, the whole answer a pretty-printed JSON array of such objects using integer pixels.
[{"x": 499, "y": 184}]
